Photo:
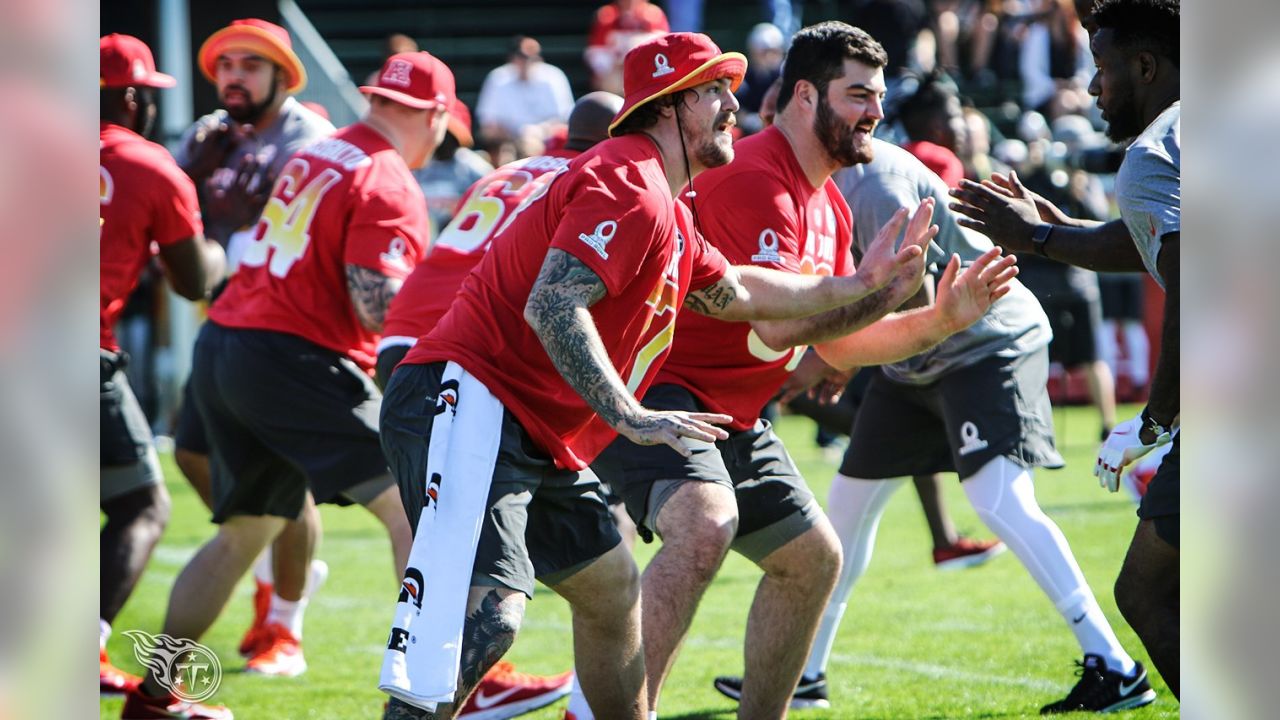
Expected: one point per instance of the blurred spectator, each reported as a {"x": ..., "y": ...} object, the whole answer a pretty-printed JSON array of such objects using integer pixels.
[
  {"x": 964, "y": 33},
  {"x": 1122, "y": 342},
  {"x": 765, "y": 48},
  {"x": 902, "y": 28},
  {"x": 975, "y": 150},
  {"x": 453, "y": 169},
  {"x": 618, "y": 27},
  {"x": 523, "y": 100},
  {"x": 1054, "y": 60},
  {"x": 935, "y": 128}
]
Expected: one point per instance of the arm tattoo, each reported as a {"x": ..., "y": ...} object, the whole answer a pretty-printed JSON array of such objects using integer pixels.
[
  {"x": 843, "y": 320},
  {"x": 712, "y": 300},
  {"x": 371, "y": 294},
  {"x": 487, "y": 634},
  {"x": 557, "y": 311}
]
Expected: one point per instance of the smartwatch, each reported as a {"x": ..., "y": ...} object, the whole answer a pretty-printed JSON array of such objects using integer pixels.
[{"x": 1040, "y": 238}]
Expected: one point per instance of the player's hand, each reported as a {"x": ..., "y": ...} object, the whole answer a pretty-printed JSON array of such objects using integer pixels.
[
  {"x": 1012, "y": 186},
  {"x": 207, "y": 150},
  {"x": 239, "y": 203},
  {"x": 882, "y": 265},
  {"x": 1006, "y": 216},
  {"x": 963, "y": 297},
  {"x": 667, "y": 427},
  {"x": 816, "y": 378},
  {"x": 1121, "y": 448}
]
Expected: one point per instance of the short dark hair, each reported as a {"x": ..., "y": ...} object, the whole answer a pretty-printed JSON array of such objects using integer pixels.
[
  {"x": 818, "y": 53},
  {"x": 917, "y": 111},
  {"x": 644, "y": 116},
  {"x": 1150, "y": 25}
]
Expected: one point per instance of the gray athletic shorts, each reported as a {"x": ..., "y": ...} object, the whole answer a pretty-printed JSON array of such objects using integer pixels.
[
  {"x": 997, "y": 407},
  {"x": 543, "y": 522},
  {"x": 284, "y": 414},
  {"x": 128, "y": 460},
  {"x": 775, "y": 505},
  {"x": 1161, "y": 504}
]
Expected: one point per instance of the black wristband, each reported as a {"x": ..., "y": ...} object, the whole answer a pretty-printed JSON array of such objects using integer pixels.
[{"x": 1040, "y": 238}]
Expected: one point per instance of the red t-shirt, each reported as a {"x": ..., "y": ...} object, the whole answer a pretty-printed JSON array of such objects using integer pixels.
[
  {"x": 612, "y": 210},
  {"x": 758, "y": 210},
  {"x": 647, "y": 18},
  {"x": 346, "y": 199},
  {"x": 143, "y": 197},
  {"x": 482, "y": 212},
  {"x": 938, "y": 159}
]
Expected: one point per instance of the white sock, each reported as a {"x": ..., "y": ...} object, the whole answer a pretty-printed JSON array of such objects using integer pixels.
[
  {"x": 262, "y": 568},
  {"x": 653, "y": 715},
  {"x": 287, "y": 613},
  {"x": 1137, "y": 351},
  {"x": 578, "y": 703},
  {"x": 854, "y": 507},
  {"x": 1108, "y": 347},
  {"x": 104, "y": 633},
  {"x": 1004, "y": 497}
]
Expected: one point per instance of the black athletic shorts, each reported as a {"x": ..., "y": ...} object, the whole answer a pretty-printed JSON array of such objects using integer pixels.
[
  {"x": 774, "y": 504},
  {"x": 388, "y": 358},
  {"x": 188, "y": 430},
  {"x": 1122, "y": 295},
  {"x": 1160, "y": 504},
  {"x": 997, "y": 407},
  {"x": 282, "y": 414},
  {"x": 542, "y": 522},
  {"x": 1075, "y": 322},
  {"x": 128, "y": 459}
]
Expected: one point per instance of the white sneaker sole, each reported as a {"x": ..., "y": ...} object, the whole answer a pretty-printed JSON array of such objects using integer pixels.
[
  {"x": 1145, "y": 698},
  {"x": 293, "y": 669}
]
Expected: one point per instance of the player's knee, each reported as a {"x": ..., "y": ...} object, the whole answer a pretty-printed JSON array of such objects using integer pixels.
[
  {"x": 813, "y": 558},
  {"x": 1131, "y": 597},
  {"x": 703, "y": 543}
]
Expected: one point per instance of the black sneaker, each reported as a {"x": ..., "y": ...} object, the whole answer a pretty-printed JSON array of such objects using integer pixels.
[
  {"x": 810, "y": 693},
  {"x": 1103, "y": 690}
]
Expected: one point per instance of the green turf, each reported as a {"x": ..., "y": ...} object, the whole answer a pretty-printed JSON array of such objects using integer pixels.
[{"x": 915, "y": 643}]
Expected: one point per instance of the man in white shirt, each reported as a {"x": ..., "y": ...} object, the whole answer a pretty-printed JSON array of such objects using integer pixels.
[{"x": 524, "y": 99}]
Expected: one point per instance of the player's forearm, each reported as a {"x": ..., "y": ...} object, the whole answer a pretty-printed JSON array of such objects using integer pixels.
[
  {"x": 893, "y": 338},
  {"x": 832, "y": 324},
  {"x": 1103, "y": 246},
  {"x": 775, "y": 295}
]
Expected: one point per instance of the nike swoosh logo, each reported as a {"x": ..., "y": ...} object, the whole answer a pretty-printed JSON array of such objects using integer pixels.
[
  {"x": 1125, "y": 689},
  {"x": 1076, "y": 621},
  {"x": 485, "y": 701}
]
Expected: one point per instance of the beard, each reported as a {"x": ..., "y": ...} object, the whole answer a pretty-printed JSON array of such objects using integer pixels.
[
  {"x": 715, "y": 150},
  {"x": 1123, "y": 120},
  {"x": 250, "y": 112},
  {"x": 840, "y": 139}
]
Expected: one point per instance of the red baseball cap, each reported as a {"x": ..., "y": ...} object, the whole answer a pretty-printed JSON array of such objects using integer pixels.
[
  {"x": 416, "y": 79},
  {"x": 124, "y": 61},
  {"x": 260, "y": 38},
  {"x": 674, "y": 62}
]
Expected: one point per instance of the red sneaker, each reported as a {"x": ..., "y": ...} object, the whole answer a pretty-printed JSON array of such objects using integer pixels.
[
  {"x": 138, "y": 706},
  {"x": 253, "y": 640},
  {"x": 504, "y": 693},
  {"x": 966, "y": 553},
  {"x": 280, "y": 654},
  {"x": 112, "y": 680}
]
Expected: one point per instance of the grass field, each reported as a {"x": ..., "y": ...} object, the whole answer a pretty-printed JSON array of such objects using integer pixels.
[{"x": 915, "y": 643}]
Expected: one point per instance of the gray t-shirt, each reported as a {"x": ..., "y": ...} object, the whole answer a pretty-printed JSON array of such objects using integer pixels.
[
  {"x": 1149, "y": 186},
  {"x": 1014, "y": 326},
  {"x": 294, "y": 128}
]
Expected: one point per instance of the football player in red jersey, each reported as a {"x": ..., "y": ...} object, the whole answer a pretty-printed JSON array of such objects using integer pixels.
[
  {"x": 282, "y": 369},
  {"x": 427, "y": 294},
  {"x": 774, "y": 207},
  {"x": 536, "y": 365},
  {"x": 144, "y": 200}
]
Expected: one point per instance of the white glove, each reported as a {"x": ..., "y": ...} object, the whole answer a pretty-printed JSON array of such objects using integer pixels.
[{"x": 1121, "y": 448}]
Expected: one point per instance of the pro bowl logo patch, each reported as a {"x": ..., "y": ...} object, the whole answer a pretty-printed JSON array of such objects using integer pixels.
[
  {"x": 768, "y": 248},
  {"x": 604, "y": 232},
  {"x": 448, "y": 398}
]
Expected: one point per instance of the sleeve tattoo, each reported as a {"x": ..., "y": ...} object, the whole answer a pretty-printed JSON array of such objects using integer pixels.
[
  {"x": 713, "y": 299},
  {"x": 371, "y": 294}
]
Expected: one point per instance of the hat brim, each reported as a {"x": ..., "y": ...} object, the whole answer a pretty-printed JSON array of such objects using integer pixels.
[
  {"x": 732, "y": 65},
  {"x": 402, "y": 98},
  {"x": 258, "y": 41},
  {"x": 151, "y": 80},
  {"x": 460, "y": 132}
]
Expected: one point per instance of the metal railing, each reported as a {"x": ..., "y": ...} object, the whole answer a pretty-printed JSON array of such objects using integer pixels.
[{"x": 328, "y": 82}]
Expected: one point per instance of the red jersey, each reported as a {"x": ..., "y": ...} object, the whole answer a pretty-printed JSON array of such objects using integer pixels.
[
  {"x": 143, "y": 197},
  {"x": 484, "y": 210},
  {"x": 938, "y": 159},
  {"x": 612, "y": 210},
  {"x": 758, "y": 210},
  {"x": 346, "y": 199}
]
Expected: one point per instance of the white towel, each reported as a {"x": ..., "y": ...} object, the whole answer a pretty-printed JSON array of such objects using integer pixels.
[{"x": 421, "y": 663}]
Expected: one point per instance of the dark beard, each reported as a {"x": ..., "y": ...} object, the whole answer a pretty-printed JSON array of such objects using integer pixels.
[
  {"x": 1123, "y": 123},
  {"x": 837, "y": 137},
  {"x": 255, "y": 111},
  {"x": 710, "y": 154}
]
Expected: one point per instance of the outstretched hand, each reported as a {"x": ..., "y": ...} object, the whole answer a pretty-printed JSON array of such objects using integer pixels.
[
  {"x": 240, "y": 202},
  {"x": 1003, "y": 210},
  {"x": 814, "y": 377},
  {"x": 882, "y": 264},
  {"x": 964, "y": 297},
  {"x": 667, "y": 427}
]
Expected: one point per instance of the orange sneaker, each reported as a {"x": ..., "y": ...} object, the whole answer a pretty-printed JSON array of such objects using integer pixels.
[
  {"x": 504, "y": 693},
  {"x": 252, "y": 642},
  {"x": 966, "y": 553},
  {"x": 112, "y": 680},
  {"x": 138, "y": 706},
  {"x": 280, "y": 654}
]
